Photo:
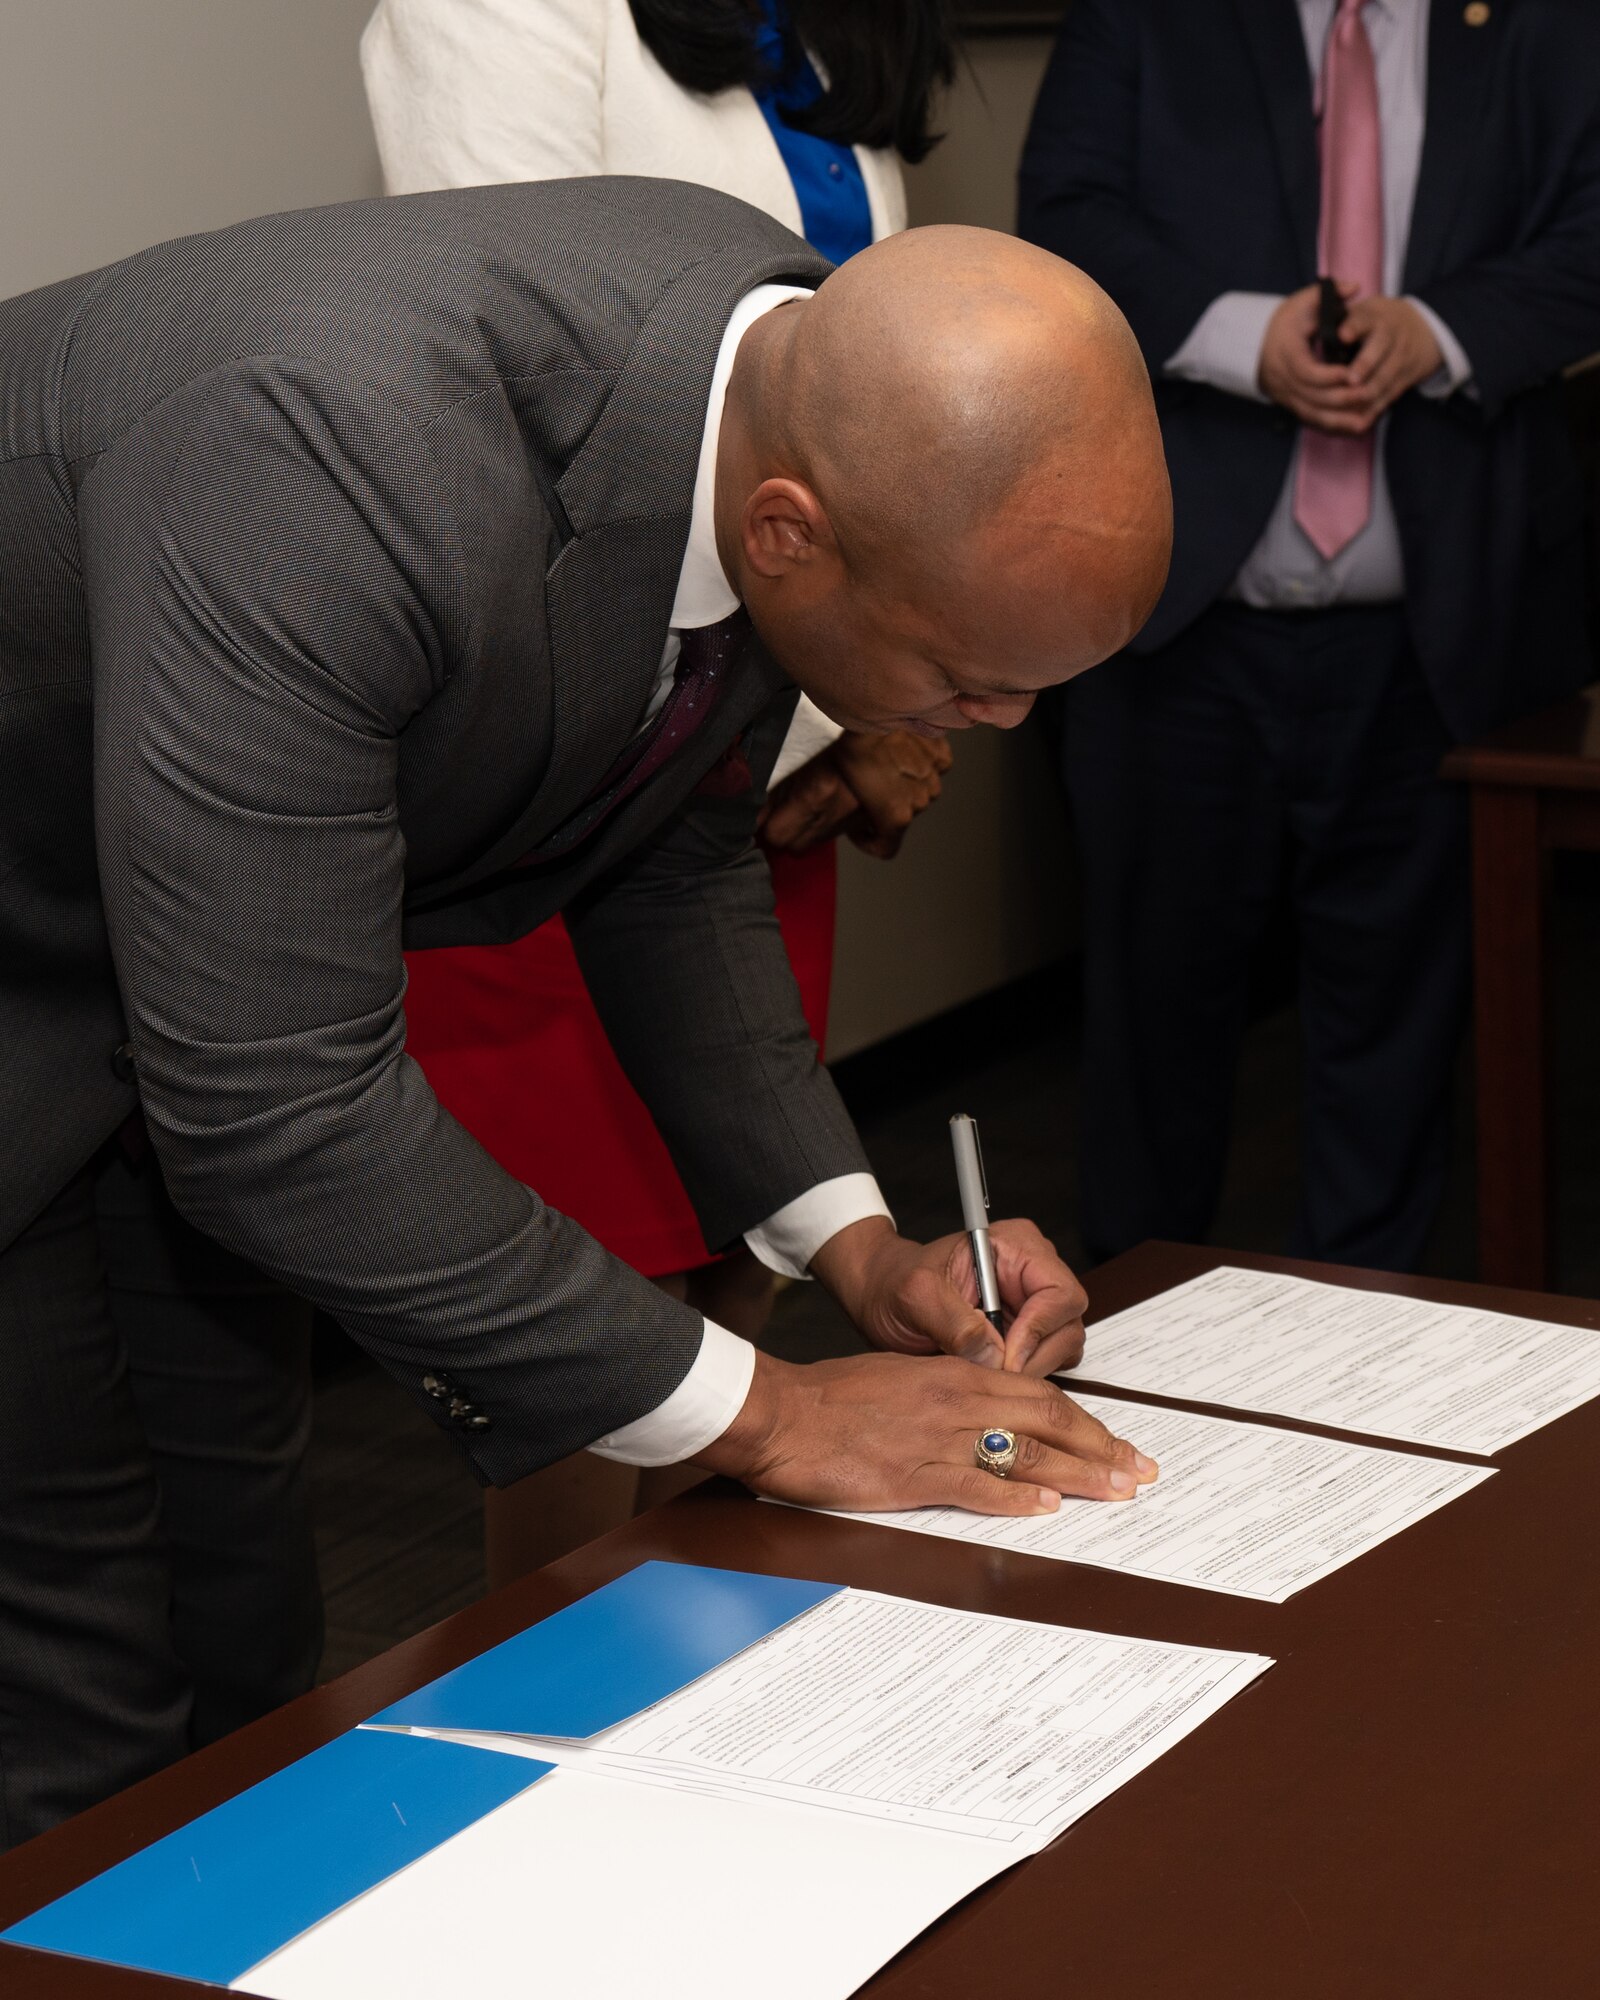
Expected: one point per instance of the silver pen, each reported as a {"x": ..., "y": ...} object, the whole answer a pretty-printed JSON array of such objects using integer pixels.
[{"x": 975, "y": 1212}]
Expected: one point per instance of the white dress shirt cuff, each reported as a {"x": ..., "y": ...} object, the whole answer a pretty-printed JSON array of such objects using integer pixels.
[
  {"x": 699, "y": 1410},
  {"x": 1455, "y": 372},
  {"x": 810, "y": 733},
  {"x": 712, "y": 1394},
  {"x": 1224, "y": 346},
  {"x": 787, "y": 1242}
]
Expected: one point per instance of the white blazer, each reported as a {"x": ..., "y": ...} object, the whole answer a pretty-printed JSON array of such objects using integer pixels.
[{"x": 465, "y": 92}]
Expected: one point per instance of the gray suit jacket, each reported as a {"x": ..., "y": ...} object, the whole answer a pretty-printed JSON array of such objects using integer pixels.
[{"x": 336, "y": 556}]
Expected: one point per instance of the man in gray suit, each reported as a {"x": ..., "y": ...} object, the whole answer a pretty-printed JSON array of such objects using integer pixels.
[{"x": 402, "y": 573}]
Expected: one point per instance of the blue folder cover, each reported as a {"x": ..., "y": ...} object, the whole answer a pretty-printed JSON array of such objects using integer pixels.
[
  {"x": 613, "y": 1653},
  {"x": 222, "y": 1893}
]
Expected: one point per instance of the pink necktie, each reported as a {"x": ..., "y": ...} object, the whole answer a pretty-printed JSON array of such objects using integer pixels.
[{"x": 1333, "y": 487}]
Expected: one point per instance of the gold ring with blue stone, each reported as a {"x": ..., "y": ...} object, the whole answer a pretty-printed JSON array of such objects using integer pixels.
[{"x": 996, "y": 1451}]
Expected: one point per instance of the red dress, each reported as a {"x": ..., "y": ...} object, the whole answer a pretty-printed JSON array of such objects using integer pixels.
[{"x": 510, "y": 1042}]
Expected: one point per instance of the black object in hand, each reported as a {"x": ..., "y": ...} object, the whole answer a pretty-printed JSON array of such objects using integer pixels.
[{"x": 1331, "y": 310}]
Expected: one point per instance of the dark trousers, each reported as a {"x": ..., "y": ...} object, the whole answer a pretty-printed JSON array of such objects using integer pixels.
[
  {"x": 157, "y": 1576},
  {"x": 1264, "y": 751}
]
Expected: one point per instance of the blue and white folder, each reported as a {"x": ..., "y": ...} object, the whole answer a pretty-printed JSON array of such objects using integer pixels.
[
  {"x": 229, "y": 1889},
  {"x": 689, "y": 1783}
]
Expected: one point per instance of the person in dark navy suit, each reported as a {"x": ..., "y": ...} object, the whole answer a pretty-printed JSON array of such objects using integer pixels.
[{"x": 1378, "y": 550}]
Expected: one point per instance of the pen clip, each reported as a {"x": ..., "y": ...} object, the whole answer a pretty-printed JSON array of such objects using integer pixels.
[{"x": 983, "y": 1176}]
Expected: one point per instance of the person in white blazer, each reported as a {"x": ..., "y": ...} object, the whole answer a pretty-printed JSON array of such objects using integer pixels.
[{"x": 466, "y": 92}]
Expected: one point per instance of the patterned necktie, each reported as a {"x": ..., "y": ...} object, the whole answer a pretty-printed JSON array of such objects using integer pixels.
[
  {"x": 1333, "y": 486},
  {"x": 704, "y": 656}
]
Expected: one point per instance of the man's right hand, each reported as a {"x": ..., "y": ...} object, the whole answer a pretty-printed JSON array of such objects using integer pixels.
[
  {"x": 888, "y": 1431},
  {"x": 1290, "y": 371}
]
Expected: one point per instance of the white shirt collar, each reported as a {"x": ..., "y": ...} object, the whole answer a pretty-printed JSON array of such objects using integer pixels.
[{"x": 704, "y": 593}]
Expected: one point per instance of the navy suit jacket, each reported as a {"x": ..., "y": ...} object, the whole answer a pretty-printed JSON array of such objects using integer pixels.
[{"x": 1173, "y": 156}]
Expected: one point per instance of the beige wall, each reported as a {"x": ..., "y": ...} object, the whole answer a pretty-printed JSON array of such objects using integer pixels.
[
  {"x": 972, "y": 176},
  {"x": 123, "y": 122},
  {"x": 981, "y": 891}
]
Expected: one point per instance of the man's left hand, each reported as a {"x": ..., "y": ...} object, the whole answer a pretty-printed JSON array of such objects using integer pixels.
[
  {"x": 1398, "y": 350},
  {"x": 896, "y": 777},
  {"x": 810, "y": 806},
  {"x": 870, "y": 787},
  {"x": 922, "y": 1298}
]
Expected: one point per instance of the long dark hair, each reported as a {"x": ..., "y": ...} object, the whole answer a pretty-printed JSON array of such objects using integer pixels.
[{"x": 884, "y": 60}]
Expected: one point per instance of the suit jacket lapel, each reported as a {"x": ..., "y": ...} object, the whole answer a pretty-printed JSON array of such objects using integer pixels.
[
  {"x": 608, "y": 597},
  {"x": 1271, "y": 29},
  {"x": 608, "y": 594},
  {"x": 1461, "y": 59}
]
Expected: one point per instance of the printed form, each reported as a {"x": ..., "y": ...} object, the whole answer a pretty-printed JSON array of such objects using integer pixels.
[
  {"x": 951, "y": 1721},
  {"x": 871, "y": 1761},
  {"x": 1451, "y": 1376},
  {"x": 813, "y": 1777},
  {"x": 1242, "y": 1508}
]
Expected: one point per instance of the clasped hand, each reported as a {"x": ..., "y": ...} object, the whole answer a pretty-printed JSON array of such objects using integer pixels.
[
  {"x": 894, "y": 1429},
  {"x": 868, "y": 787},
  {"x": 1397, "y": 350}
]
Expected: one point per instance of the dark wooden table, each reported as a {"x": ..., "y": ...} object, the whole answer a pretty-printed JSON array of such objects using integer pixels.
[
  {"x": 1407, "y": 1803},
  {"x": 1535, "y": 788}
]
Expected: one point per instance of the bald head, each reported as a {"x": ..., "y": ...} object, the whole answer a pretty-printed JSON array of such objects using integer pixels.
[
  {"x": 940, "y": 368},
  {"x": 952, "y": 454}
]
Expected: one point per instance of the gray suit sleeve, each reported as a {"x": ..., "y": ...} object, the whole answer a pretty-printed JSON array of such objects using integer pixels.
[
  {"x": 273, "y": 597},
  {"x": 682, "y": 954}
]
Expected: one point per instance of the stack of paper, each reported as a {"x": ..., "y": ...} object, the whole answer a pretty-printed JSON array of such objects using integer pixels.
[{"x": 1262, "y": 1512}]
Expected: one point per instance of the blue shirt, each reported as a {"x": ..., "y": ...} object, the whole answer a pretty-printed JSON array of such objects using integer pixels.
[{"x": 834, "y": 212}]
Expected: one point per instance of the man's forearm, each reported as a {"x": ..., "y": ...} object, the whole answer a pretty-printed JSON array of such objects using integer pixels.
[
  {"x": 702, "y": 1407},
  {"x": 844, "y": 1264},
  {"x": 715, "y": 1043},
  {"x": 790, "y": 1240},
  {"x": 1522, "y": 318},
  {"x": 1223, "y": 348}
]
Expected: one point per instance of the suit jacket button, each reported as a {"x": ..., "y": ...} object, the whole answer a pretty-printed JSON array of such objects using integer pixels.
[
  {"x": 478, "y": 1422},
  {"x": 122, "y": 1062},
  {"x": 437, "y": 1386},
  {"x": 461, "y": 1409}
]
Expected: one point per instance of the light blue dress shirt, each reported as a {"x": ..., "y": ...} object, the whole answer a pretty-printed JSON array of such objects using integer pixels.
[{"x": 1284, "y": 571}]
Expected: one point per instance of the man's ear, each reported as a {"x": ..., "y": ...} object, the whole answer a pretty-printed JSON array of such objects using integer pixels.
[{"x": 784, "y": 528}]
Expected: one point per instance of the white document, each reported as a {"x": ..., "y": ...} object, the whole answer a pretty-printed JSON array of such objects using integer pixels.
[
  {"x": 1451, "y": 1376},
  {"x": 782, "y": 1825},
  {"x": 620, "y": 1891},
  {"x": 1241, "y": 1508},
  {"x": 948, "y": 1721}
]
